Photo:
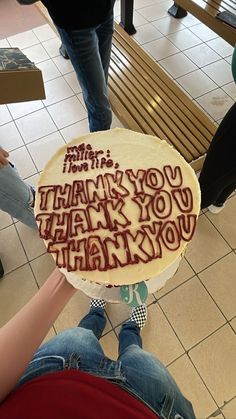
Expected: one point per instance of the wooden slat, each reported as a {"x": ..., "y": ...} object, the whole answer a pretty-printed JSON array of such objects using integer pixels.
[
  {"x": 151, "y": 105},
  {"x": 153, "y": 71},
  {"x": 145, "y": 91},
  {"x": 159, "y": 103}
]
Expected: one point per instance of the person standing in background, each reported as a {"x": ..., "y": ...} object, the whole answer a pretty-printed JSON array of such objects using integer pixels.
[
  {"x": 16, "y": 196},
  {"x": 86, "y": 31},
  {"x": 218, "y": 176}
]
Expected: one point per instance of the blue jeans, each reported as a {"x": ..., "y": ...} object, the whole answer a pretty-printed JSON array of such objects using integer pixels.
[
  {"x": 136, "y": 371},
  {"x": 89, "y": 51},
  {"x": 16, "y": 196}
]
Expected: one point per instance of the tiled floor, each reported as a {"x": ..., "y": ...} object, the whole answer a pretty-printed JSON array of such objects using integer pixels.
[{"x": 192, "y": 320}]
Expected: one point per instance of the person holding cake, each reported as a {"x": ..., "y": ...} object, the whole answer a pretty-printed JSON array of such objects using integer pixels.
[{"x": 70, "y": 376}]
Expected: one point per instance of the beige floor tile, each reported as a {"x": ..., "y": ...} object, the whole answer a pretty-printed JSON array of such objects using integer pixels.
[
  {"x": 233, "y": 324},
  {"x": 5, "y": 115},
  {"x": 224, "y": 221},
  {"x": 191, "y": 312},
  {"x": 33, "y": 244},
  {"x": 74, "y": 311},
  {"x": 44, "y": 148},
  {"x": 178, "y": 65},
  {"x": 16, "y": 289},
  {"x": 110, "y": 345},
  {"x": 5, "y": 220},
  {"x": 118, "y": 313},
  {"x": 42, "y": 267},
  {"x": 196, "y": 83},
  {"x": 220, "y": 72},
  {"x": 159, "y": 338},
  {"x": 35, "y": 125},
  {"x": 215, "y": 360},
  {"x": 184, "y": 373},
  {"x": 219, "y": 279},
  {"x": 10, "y": 137},
  {"x": 229, "y": 410},
  {"x": 206, "y": 247},
  {"x": 20, "y": 109},
  {"x": 75, "y": 130},
  {"x": 23, "y": 162},
  {"x": 183, "y": 273},
  {"x": 217, "y": 417},
  {"x": 215, "y": 103},
  {"x": 222, "y": 47},
  {"x": 161, "y": 48},
  {"x": 12, "y": 252}
]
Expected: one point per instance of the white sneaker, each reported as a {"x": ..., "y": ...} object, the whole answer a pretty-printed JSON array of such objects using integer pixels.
[{"x": 215, "y": 210}]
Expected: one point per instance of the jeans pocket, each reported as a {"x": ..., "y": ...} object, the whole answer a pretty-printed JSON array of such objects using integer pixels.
[{"x": 43, "y": 365}]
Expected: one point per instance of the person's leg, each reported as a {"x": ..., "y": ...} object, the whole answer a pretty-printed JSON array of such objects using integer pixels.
[
  {"x": 104, "y": 34},
  {"x": 219, "y": 169},
  {"x": 76, "y": 348},
  {"x": 16, "y": 196},
  {"x": 226, "y": 193},
  {"x": 147, "y": 377},
  {"x": 130, "y": 331},
  {"x": 95, "y": 320},
  {"x": 215, "y": 192},
  {"x": 83, "y": 50}
]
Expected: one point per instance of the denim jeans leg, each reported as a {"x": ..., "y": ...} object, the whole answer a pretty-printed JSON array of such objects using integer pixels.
[
  {"x": 95, "y": 320},
  {"x": 104, "y": 34},
  {"x": 148, "y": 378},
  {"x": 61, "y": 352},
  {"x": 16, "y": 196},
  {"x": 82, "y": 47},
  {"x": 129, "y": 335}
]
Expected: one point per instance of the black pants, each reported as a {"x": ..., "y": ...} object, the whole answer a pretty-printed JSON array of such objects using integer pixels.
[
  {"x": 218, "y": 176},
  {"x": 1, "y": 269}
]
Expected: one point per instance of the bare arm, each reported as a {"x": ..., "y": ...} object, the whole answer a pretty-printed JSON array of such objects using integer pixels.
[{"x": 22, "y": 335}]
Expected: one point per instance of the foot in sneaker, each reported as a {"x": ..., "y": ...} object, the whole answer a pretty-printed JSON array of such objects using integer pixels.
[
  {"x": 215, "y": 209},
  {"x": 139, "y": 315},
  {"x": 96, "y": 302}
]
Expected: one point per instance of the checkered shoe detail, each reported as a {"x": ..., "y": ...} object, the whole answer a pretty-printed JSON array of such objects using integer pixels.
[
  {"x": 96, "y": 302},
  {"x": 139, "y": 315}
]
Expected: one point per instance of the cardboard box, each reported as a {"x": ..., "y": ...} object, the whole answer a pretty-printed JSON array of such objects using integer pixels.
[{"x": 20, "y": 79}]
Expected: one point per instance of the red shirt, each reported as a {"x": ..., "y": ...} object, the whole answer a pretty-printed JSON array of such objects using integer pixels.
[{"x": 72, "y": 395}]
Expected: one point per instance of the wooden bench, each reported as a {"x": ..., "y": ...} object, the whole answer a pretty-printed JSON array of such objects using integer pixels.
[
  {"x": 207, "y": 11},
  {"x": 146, "y": 100}
]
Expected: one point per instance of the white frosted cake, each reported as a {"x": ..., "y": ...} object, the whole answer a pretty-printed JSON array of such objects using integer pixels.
[{"x": 116, "y": 207}]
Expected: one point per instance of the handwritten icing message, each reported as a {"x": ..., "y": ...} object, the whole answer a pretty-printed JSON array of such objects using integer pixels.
[{"x": 114, "y": 219}]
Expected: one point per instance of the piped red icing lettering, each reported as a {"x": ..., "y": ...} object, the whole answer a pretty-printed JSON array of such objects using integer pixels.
[{"x": 114, "y": 219}]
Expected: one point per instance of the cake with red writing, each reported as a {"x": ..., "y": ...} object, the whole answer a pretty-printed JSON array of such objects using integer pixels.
[{"x": 116, "y": 207}]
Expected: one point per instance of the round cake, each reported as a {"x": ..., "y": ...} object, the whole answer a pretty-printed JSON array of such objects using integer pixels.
[{"x": 116, "y": 207}]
